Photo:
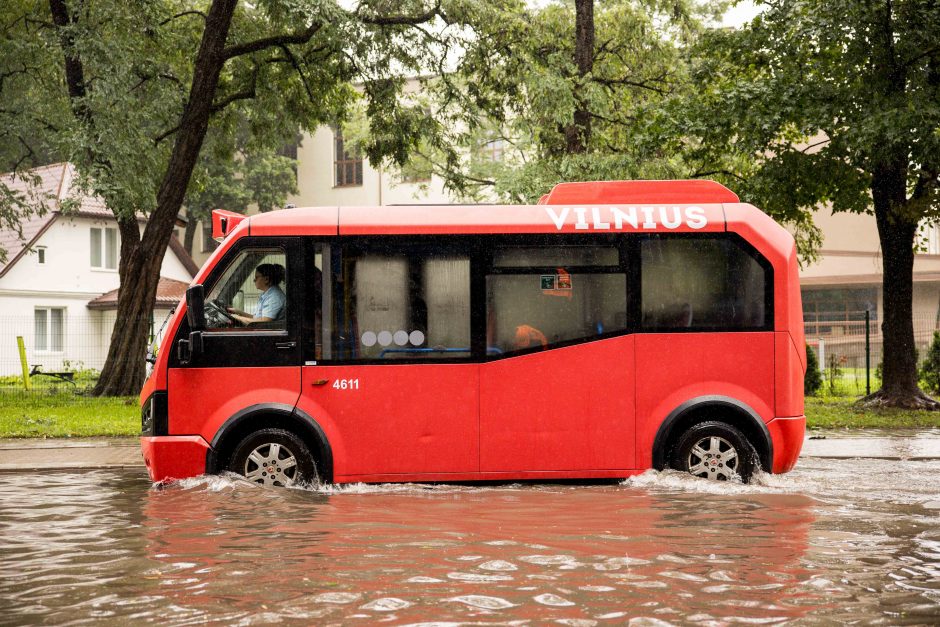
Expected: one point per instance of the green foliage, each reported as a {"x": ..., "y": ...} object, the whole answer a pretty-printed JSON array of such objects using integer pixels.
[
  {"x": 812, "y": 99},
  {"x": 930, "y": 369},
  {"x": 518, "y": 83},
  {"x": 812, "y": 379},
  {"x": 834, "y": 372}
]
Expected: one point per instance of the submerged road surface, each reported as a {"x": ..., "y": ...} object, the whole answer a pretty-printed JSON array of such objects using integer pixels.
[{"x": 836, "y": 540}]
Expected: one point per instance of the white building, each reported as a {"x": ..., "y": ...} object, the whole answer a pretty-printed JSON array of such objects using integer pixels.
[{"x": 58, "y": 285}]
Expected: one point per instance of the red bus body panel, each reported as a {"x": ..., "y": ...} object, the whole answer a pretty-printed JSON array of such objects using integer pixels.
[
  {"x": 639, "y": 192},
  {"x": 589, "y": 410},
  {"x": 568, "y": 409},
  {"x": 169, "y": 457},
  {"x": 401, "y": 419},
  {"x": 202, "y": 399},
  {"x": 675, "y": 367}
]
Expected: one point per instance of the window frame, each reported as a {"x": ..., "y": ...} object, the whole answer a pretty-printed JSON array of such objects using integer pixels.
[
  {"x": 745, "y": 247},
  {"x": 103, "y": 248},
  {"x": 47, "y": 311},
  {"x": 255, "y": 348},
  {"x": 623, "y": 267},
  {"x": 343, "y": 158},
  {"x": 481, "y": 250}
]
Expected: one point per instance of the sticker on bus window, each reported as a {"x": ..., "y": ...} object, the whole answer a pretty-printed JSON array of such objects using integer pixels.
[{"x": 548, "y": 282}]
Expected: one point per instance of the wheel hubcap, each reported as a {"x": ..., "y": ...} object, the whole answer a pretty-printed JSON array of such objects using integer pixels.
[
  {"x": 714, "y": 458},
  {"x": 271, "y": 464}
]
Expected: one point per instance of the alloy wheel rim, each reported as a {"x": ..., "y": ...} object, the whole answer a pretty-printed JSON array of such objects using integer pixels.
[
  {"x": 714, "y": 458},
  {"x": 271, "y": 464}
]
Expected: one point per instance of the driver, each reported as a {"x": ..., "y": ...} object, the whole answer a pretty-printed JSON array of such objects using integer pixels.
[{"x": 268, "y": 277}]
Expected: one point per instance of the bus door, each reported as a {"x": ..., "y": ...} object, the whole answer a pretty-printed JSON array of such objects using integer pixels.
[
  {"x": 557, "y": 393},
  {"x": 251, "y": 347},
  {"x": 389, "y": 377}
]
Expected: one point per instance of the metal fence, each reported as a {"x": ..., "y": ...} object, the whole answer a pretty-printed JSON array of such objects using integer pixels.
[
  {"x": 850, "y": 351},
  {"x": 57, "y": 354},
  {"x": 65, "y": 355}
]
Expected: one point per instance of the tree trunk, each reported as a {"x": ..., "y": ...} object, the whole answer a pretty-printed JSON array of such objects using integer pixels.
[
  {"x": 190, "y": 233},
  {"x": 896, "y": 232},
  {"x": 578, "y": 135},
  {"x": 140, "y": 271}
]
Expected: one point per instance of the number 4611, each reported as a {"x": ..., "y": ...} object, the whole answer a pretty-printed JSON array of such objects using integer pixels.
[{"x": 346, "y": 384}]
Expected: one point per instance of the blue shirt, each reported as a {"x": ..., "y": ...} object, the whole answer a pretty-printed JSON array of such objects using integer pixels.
[{"x": 271, "y": 304}]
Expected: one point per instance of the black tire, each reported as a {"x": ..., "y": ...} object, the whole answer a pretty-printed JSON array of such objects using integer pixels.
[
  {"x": 274, "y": 457},
  {"x": 716, "y": 451}
]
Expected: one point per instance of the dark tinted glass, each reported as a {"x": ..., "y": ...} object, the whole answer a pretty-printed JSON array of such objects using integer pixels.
[{"x": 701, "y": 283}]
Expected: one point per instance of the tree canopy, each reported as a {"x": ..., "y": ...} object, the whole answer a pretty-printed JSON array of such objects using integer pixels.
[
  {"x": 832, "y": 102},
  {"x": 130, "y": 91}
]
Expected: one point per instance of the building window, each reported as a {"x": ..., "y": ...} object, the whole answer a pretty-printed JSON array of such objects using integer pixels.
[
  {"x": 348, "y": 162},
  {"x": 104, "y": 248},
  {"x": 839, "y": 311},
  {"x": 50, "y": 329},
  {"x": 493, "y": 150},
  {"x": 208, "y": 244},
  {"x": 41, "y": 254}
]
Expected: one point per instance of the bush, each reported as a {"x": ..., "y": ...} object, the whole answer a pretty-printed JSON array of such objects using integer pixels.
[
  {"x": 930, "y": 369},
  {"x": 812, "y": 380}
]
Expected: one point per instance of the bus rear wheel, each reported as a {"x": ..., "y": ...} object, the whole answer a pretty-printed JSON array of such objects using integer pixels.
[
  {"x": 274, "y": 457},
  {"x": 715, "y": 451}
]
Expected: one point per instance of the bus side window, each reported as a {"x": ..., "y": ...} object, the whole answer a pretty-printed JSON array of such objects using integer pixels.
[
  {"x": 539, "y": 296},
  {"x": 409, "y": 305},
  {"x": 701, "y": 283}
]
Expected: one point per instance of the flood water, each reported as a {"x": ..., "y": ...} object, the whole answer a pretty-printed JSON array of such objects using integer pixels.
[{"x": 836, "y": 540}]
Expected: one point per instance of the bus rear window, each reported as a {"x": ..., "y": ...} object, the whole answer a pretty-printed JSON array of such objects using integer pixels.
[{"x": 701, "y": 283}]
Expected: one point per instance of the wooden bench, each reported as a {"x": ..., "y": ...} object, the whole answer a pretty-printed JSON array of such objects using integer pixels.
[{"x": 67, "y": 376}]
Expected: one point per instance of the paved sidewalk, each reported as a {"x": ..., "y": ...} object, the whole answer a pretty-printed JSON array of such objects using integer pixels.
[{"x": 68, "y": 453}]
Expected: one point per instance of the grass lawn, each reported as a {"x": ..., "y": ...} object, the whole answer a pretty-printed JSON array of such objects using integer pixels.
[
  {"x": 65, "y": 414},
  {"x": 836, "y": 412}
]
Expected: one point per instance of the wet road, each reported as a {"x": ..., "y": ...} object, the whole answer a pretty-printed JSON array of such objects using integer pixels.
[{"x": 836, "y": 540}]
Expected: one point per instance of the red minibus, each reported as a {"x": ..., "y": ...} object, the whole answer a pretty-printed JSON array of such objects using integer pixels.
[{"x": 612, "y": 328}]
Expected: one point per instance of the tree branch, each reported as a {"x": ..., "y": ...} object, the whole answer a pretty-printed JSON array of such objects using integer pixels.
[
  {"x": 183, "y": 14},
  {"x": 299, "y": 37},
  {"x": 296, "y": 64},
  {"x": 611, "y": 82}
]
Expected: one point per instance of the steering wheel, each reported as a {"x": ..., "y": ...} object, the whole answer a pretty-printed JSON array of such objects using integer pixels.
[{"x": 215, "y": 311}]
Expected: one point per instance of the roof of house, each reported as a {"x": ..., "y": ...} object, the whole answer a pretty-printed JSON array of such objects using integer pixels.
[
  {"x": 169, "y": 293},
  {"x": 53, "y": 188}
]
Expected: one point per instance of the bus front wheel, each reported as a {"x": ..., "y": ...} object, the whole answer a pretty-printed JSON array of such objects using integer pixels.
[
  {"x": 715, "y": 451},
  {"x": 274, "y": 457}
]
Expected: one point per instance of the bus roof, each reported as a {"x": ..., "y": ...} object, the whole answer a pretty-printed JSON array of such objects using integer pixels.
[{"x": 490, "y": 219}]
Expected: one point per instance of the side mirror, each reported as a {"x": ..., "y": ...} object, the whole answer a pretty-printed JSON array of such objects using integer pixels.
[{"x": 196, "y": 307}]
